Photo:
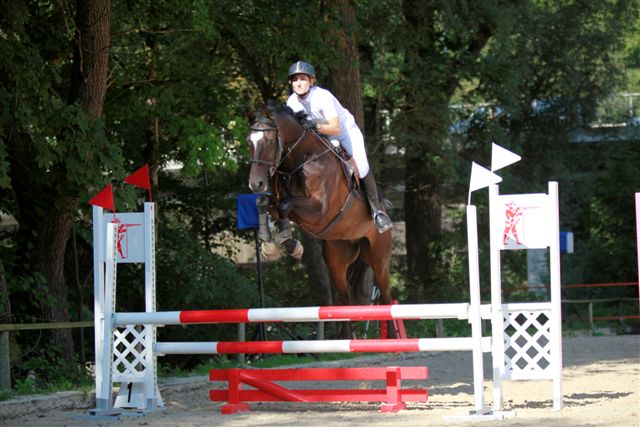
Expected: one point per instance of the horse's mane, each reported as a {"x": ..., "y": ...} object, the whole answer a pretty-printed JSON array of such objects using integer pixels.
[{"x": 280, "y": 108}]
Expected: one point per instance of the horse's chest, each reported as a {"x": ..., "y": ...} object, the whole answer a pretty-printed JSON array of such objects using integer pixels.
[{"x": 312, "y": 176}]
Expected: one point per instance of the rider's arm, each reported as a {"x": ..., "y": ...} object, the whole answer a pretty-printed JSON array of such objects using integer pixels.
[{"x": 330, "y": 127}]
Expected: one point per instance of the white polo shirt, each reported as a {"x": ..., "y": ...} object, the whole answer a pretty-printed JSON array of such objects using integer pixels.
[{"x": 320, "y": 105}]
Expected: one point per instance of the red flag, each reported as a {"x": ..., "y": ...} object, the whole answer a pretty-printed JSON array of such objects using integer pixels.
[
  {"x": 104, "y": 198},
  {"x": 140, "y": 178}
]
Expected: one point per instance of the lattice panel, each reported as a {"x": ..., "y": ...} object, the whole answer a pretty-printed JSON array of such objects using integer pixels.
[
  {"x": 527, "y": 340},
  {"x": 129, "y": 350}
]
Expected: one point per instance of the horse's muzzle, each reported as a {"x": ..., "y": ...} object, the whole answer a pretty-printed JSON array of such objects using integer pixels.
[{"x": 258, "y": 186}]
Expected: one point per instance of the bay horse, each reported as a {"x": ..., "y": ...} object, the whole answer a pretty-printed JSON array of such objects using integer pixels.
[{"x": 311, "y": 186}]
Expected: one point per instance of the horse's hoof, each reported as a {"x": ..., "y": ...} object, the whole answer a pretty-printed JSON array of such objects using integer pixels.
[
  {"x": 270, "y": 251},
  {"x": 297, "y": 251}
]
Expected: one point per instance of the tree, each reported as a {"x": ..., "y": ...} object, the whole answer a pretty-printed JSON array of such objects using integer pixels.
[
  {"x": 441, "y": 44},
  {"x": 54, "y": 142},
  {"x": 448, "y": 50}
]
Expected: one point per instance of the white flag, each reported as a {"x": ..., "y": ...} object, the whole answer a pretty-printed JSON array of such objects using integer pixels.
[
  {"x": 481, "y": 177},
  {"x": 501, "y": 157}
]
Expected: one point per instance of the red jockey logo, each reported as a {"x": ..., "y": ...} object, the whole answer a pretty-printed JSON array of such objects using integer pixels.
[
  {"x": 122, "y": 239},
  {"x": 513, "y": 214}
]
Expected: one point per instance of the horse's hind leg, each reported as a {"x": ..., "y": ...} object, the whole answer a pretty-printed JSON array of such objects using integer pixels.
[
  {"x": 377, "y": 253},
  {"x": 381, "y": 274}
]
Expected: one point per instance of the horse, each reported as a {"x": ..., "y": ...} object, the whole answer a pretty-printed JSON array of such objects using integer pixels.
[{"x": 312, "y": 186}]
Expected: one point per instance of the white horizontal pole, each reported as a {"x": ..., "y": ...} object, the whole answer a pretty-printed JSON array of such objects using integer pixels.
[{"x": 151, "y": 318}]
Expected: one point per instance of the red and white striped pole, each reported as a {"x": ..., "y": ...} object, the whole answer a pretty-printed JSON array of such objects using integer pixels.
[
  {"x": 328, "y": 346},
  {"x": 297, "y": 314}
]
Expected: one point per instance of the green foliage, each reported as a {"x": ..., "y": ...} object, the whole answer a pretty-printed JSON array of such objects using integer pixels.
[
  {"x": 612, "y": 214},
  {"x": 64, "y": 145},
  {"x": 46, "y": 372},
  {"x": 287, "y": 284},
  {"x": 26, "y": 386},
  {"x": 429, "y": 329},
  {"x": 191, "y": 277}
]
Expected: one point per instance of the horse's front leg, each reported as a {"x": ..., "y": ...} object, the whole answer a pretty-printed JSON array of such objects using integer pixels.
[
  {"x": 270, "y": 249},
  {"x": 264, "y": 233},
  {"x": 294, "y": 247}
]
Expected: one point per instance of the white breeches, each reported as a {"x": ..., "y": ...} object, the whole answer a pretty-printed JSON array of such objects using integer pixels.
[{"x": 354, "y": 144}]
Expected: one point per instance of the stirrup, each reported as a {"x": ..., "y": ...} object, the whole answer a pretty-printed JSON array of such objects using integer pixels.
[{"x": 382, "y": 221}]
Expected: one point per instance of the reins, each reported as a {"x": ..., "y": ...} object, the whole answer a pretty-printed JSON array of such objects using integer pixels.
[{"x": 280, "y": 157}]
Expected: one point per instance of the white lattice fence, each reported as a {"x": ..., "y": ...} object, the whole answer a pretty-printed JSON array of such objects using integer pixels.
[
  {"x": 129, "y": 352},
  {"x": 527, "y": 343}
]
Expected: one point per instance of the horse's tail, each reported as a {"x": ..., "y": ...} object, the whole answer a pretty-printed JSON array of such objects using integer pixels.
[{"x": 361, "y": 282}]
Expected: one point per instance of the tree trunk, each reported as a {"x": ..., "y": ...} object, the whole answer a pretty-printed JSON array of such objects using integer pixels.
[
  {"x": 344, "y": 79},
  {"x": 88, "y": 88},
  {"x": 152, "y": 147},
  {"x": 421, "y": 124},
  {"x": 91, "y": 57},
  {"x": 53, "y": 235},
  {"x": 422, "y": 206},
  {"x": 436, "y": 68}
]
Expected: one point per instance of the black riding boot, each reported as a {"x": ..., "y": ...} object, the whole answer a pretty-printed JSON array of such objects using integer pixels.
[{"x": 380, "y": 218}]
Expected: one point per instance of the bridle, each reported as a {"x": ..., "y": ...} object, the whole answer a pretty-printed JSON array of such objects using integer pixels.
[{"x": 279, "y": 158}]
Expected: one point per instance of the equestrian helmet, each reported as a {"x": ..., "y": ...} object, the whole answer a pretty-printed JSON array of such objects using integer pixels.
[{"x": 302, "y": 67}]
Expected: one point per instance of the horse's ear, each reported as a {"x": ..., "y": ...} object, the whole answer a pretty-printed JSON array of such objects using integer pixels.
[{"x": 250, "y": 115}]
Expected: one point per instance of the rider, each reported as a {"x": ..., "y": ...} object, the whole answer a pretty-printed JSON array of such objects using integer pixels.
[{"x": 335, "y": 121}]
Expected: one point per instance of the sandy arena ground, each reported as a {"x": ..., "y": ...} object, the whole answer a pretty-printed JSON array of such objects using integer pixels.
[{"x": 601, "y": 388}]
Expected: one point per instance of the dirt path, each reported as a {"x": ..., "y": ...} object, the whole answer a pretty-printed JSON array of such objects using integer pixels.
[{"x": 601, "y": 388}]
